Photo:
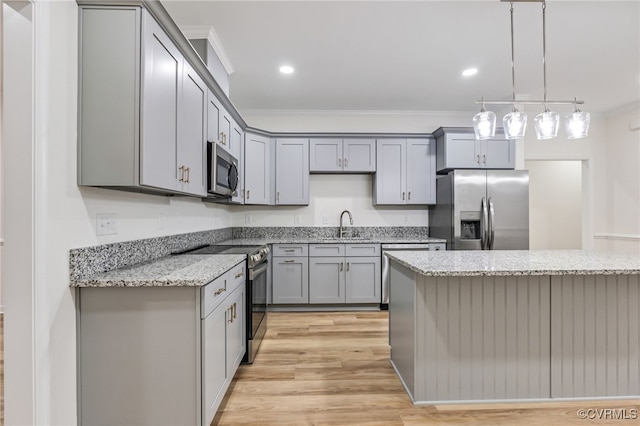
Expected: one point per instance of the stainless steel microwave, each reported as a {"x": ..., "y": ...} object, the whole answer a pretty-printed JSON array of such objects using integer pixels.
[{"x": 222, "y": 172}]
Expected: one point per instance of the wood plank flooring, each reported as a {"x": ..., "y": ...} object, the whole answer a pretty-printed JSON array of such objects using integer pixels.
[{"x": 333, "y": 369}]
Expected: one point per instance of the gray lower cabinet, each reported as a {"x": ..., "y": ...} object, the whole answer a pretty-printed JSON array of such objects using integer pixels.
[
  {"x": 159, "y": 355},
  {"x": 290, "y": 270},
  {"x": 141, "y": 106},
  {"x": 344, "y": 273},
  {"x": 292, "y": 171}
]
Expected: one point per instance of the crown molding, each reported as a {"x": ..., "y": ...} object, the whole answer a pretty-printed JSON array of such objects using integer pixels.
[{"x": 208, "y": 33}]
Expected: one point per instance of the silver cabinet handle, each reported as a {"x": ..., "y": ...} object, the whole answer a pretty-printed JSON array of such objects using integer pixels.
[
  {"x": 409, "y": 195},
  {"x": 346, "y": 162},
  {"x": 339, "y": 162},
  {"x": 219, "y": 291},
  {"x": 348, "y": 264},
  {"x": 181, "y": 169},
  {"x": 478, "y": 158},
  {"x": 484, "y": 159},
  {"x": 289, "y": 261},
  {"x": 403, "y": 196},
  {"x": 188, "y": 171},
  {"x": 290, "y": 251},
  {"x": 277, "y": 197},
  {"x": 248, "y": 194},
  {"x": 341, "y": 266}
]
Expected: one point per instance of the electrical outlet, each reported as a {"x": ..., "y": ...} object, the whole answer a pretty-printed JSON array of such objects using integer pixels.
[
  {"x": 406, "y": 219},
  {"x": 296, "y": 219},
  {"x": 248, "y": 218},
  {"x": 325, "y": 220},
  {"x": 106, "y": 224}
]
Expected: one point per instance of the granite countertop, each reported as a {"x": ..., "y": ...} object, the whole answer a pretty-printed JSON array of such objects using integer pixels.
[
  {"x": 184, "y": 270},
  {"x": 512, "y": 262},
  {"x": 331, "y": 240}
]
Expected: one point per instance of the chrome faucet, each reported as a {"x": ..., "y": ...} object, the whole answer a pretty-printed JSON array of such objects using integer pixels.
[{"x": 342, "y": 231}]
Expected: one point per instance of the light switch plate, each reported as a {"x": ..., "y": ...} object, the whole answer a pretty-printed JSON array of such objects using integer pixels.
[
  {"x": 106, "y": 224},
  {"x": 325, "y": 220}
]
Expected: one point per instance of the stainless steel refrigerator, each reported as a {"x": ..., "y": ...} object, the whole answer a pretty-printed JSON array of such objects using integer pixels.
[{"x": 482, "y": 210}]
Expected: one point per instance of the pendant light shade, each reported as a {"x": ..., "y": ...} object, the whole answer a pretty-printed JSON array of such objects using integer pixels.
[
  {"x": 515, "y": 124},
  {"x": 546, "y": 124},
  {"x": 484, "y": 124},
  {"x": 576, "y": 124}
]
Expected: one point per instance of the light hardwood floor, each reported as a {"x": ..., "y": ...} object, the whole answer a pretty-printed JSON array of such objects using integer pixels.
[{"x": 333, "y": 369}]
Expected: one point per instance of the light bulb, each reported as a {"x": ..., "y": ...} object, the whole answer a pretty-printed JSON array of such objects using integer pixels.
[
  {"x": 484, "y": 124},
  {"x": 546, "y": 124},
  {"x": 576, "y": 124},
  {"x": 515, "y": 124}
]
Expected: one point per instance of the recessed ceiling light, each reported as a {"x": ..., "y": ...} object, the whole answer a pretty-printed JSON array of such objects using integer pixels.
[
  {"x": 286, "y": 69},
  {"x": 469, "y": 72}
]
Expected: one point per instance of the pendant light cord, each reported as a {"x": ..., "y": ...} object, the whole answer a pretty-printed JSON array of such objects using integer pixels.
[
  {"x": 544, "y": 52},
  {"x": 513, "y": 62}
]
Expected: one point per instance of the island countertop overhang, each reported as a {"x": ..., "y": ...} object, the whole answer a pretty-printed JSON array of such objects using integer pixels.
[{"x": 516, "y": 263}]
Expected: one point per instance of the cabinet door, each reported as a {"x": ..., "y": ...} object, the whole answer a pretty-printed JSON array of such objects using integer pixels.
[
  {"x": 359, "y": 155},
  {"x": 237, "y": 137},
  {"x": 162, "y": 72},
  {"x": 461, "y": 151},
  {"x": 290, "y": 280},
  {"x": 225, "y": 129},
  {"x": 257, "y": 160},
  {"x": 326, "y": 280},
  {"x": 213, "y": 118},
  {"x": 325, "y": 155},
  {"x": 214, "y": 369},
  {"x": 498, "y": 154},
  {"x": 363, "y": 280},
  {"x": 421, "y": 174},
  {"x": 292, "y": 172},
  {"x": 191, "y": 133},
  {"x": 390, "y": 180},
  {"x": 235, "y": 330}
]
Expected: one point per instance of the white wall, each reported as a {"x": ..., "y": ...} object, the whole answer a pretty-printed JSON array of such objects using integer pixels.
[
  {"x": 555, "y": 204},
  {"x": 621, "y": 188},
  {"x": 40, "y": 338}
]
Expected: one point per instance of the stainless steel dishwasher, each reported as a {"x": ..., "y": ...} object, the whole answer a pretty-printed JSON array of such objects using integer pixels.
[{"x": 385, "y": 263}]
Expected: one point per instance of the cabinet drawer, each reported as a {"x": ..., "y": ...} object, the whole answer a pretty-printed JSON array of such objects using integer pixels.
[
  {"x": 363, "y": 250},
  {"x": 326, "y": 250},
  {"x": 237, "y": 276},
  {"x": 290, "y": 250},
  {"x": 213, "y": 293}
]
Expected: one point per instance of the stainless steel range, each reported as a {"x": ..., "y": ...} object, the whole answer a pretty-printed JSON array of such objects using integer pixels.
[{"x": 256, "y": 291}]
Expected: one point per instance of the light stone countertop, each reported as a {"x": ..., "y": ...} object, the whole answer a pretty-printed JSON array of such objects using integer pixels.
[
  {"x": 176, "y": 271},
  {"x": 517, "y": 262}
]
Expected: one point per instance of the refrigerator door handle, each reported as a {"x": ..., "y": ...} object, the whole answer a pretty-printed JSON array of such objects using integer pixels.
[
  {"x": 492, "y": 217},
  {"x": 484, "y": 219}
]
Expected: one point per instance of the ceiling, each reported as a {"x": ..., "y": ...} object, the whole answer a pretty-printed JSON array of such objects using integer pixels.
[{"x": 409, "y": 55}]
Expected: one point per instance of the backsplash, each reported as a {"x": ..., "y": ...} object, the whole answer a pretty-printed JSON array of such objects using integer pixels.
[
  {"x": 87, "y": 261},
  {"x": 330, "y": 231}
]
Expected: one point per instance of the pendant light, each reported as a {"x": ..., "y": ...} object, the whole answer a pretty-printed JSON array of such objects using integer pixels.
[
  {"x": 514, "y": 123},
  {"x": 547, "y": 122}
]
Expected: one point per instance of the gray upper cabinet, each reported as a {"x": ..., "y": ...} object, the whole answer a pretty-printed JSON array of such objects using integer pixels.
[
  {"x": 191, "y": 133},
  {"x": 292, "y": 171},
  {"x": 141, "y": 109},
  {"x": 457, "y": 148},
  {"x": 405, "y": 172},
  {"x": 237, "y": 143},
  {"x": 342, "y": 155},
  {"x": 257, "y": 169}
]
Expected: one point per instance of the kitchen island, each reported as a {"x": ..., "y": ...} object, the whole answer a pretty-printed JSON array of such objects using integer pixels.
[{"x": 515, "y": 325}]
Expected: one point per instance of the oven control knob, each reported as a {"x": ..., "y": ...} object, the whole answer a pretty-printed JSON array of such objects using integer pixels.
[{"x": 255, "y": 257}]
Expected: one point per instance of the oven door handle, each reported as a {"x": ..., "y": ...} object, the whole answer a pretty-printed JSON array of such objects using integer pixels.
[{"x": 253, "y": 273}]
